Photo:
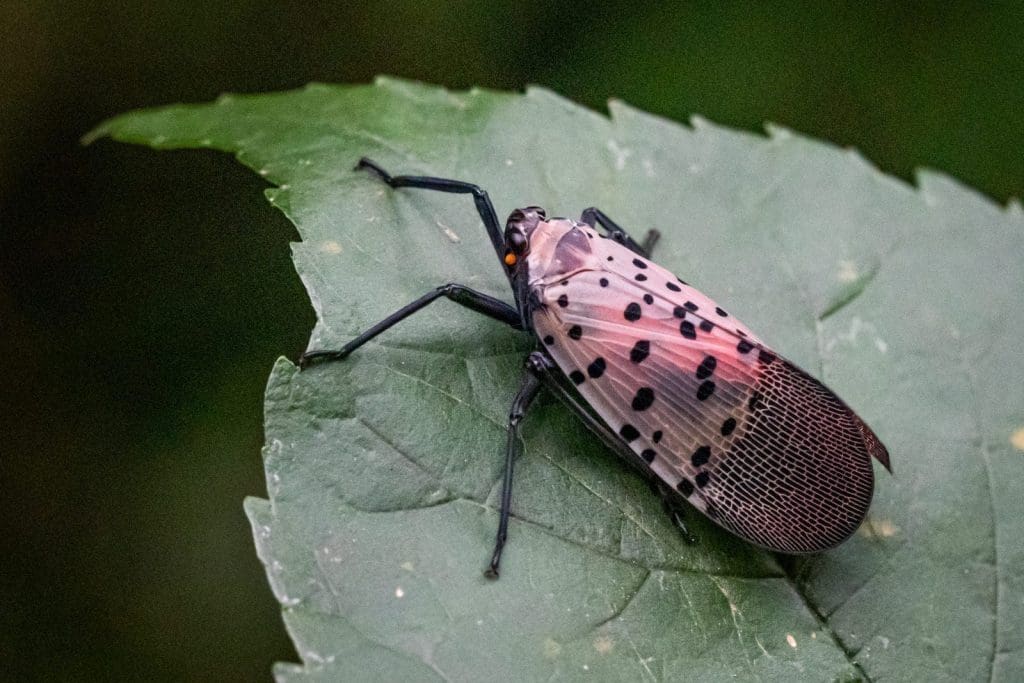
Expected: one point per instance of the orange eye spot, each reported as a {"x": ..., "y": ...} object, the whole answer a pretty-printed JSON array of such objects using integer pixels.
[{"x": 510, "y": 259}]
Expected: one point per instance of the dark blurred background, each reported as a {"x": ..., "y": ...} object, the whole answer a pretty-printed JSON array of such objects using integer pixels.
[{"x": 144, "y": 295}]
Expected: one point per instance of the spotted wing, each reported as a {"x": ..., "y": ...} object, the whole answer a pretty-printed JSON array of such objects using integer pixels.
[{"x": 758, "y": 445}]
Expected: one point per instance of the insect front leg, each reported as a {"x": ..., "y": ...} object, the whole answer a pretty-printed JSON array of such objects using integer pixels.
[
  {"x": 595, "y": 216},
  {"x": 460, "y": 294},
  {"x": 528, "y": 390},
  {"x": 484, "y": 207}
]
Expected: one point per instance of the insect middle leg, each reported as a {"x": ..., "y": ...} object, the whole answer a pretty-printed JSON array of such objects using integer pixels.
[
  {"x": 675, "y": 509},
  {"x": 460, "y": 294},
  {"x": 595, "y": 216}
]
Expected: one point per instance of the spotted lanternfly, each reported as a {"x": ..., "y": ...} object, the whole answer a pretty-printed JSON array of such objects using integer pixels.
[{"x": 667, "y": 378}]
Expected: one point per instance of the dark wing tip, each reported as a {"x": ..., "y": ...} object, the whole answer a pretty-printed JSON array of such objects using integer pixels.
[{"x": 875, "y": 447}]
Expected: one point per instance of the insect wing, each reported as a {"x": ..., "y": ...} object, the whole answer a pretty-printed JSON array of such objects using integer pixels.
[{"x": 758, "y": 445}]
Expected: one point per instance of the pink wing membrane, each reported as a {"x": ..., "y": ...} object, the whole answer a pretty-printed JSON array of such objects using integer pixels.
[{"x": 753, "y": 442}]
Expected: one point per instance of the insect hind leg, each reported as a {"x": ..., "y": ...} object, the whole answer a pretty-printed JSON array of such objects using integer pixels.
[
  {"x": 675, "y": 509},
  {"x": 595, "y": 216},
  {"x": 528, "y": 390}
]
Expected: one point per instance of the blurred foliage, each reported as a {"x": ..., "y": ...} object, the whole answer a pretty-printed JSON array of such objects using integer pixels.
[{"x": 143, "y": 298}]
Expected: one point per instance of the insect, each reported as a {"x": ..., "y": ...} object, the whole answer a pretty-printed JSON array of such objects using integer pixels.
[{"x": 666, "y": 377}]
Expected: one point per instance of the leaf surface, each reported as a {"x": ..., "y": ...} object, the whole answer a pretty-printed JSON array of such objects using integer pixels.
[{"x": 383, "y": 471}]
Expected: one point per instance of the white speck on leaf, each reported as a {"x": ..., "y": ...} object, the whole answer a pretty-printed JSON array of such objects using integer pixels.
[
  {"x": 847, "y": 271},
  {"x": 448, "y": 232},
  {"x": 1017, "y": 439},
  {"x": 331, "y": 247},
  {"x": 878, "y": 528},
  {"x": 621, "y": 154},
  {"x": 852, "y": 336},
  {"x": 791, "y": 640},
  {"x": 399, "y": 593}
]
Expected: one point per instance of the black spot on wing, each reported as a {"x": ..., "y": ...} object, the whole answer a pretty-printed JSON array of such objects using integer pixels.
[
  {"x": 643, "y": 399},
  {"x": 628, "y": 432},
  {"x": 701, "y": 456},
  {"x": 705, "y": 389},
  {"x": 706, "y": 367},
  {"x": 640, "y": 351}
]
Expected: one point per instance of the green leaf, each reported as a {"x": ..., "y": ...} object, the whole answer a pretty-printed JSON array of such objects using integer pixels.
[{"x": 383, "y": 470}]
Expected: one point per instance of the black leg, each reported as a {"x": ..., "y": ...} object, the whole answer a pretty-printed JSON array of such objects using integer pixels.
[
  {"x": 471, "y": 299},
  {"x": 674, "y": 506},
  {"x": 528, "y": 390},
  {"x": 594, "y": 423},
  {"x": 480, "y": 198},
  {"x": 676, "y": 511},
  {"x": 594, "y": 216}
]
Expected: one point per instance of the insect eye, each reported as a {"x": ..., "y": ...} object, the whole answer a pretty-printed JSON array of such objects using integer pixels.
[{"x": 517, "y": 242}]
